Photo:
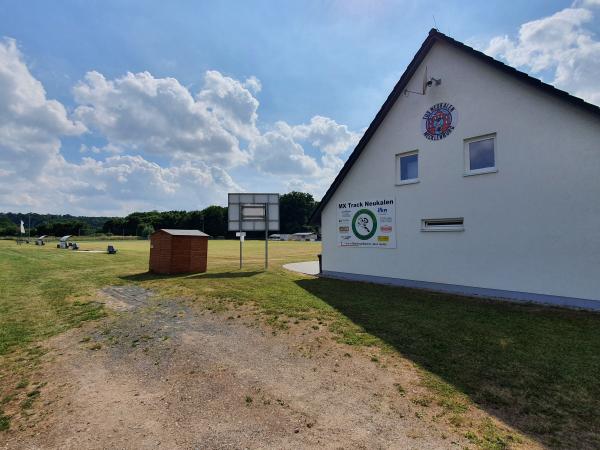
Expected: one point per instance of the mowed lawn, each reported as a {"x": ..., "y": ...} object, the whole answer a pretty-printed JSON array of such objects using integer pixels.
[{"x": 535, "y": 368}]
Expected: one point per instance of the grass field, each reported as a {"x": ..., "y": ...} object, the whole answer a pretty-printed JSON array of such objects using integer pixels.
[{"x": 535, "y": 368}]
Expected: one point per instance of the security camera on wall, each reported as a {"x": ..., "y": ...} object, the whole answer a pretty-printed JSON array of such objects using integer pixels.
[
  {"x": 427, "y": 82},
  {"x": 432, "y": 81}
]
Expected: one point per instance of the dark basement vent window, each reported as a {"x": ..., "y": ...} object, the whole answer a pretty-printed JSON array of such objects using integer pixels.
[{"x": 454, "y": 224}]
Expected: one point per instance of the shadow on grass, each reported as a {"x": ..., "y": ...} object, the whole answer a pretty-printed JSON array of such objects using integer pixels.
[
  {"x": 147, "y": 276},
  {"x": 536, "y": 368},
  {"x": 217, "y": 275}
]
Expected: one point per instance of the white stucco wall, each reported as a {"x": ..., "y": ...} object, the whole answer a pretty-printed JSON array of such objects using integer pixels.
[{"x": 534, "y": 226}]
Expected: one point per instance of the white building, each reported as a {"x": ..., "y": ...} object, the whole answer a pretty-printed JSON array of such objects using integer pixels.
[
  {"x": 279, "y": 237},
  {"x": 305, "y": 236},
  {"x": 488, "y": 184}
]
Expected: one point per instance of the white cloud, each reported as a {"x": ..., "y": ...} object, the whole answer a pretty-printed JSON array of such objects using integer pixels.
[
  {"x": 108, "y": 148},
  {"x": 315, "y": 187},
  {"x": 323, "y": 133},
  {"x": 30, "y": 124},
  {"x": 35, "y": 175},
  {"x": 278, "y": 154},
  {"x": 123, "y": 177},
  {"x": 253, "y": 84},
  {"x": 232, "y": 103},
  {"x": 280, "y": 151},
  {"x": 138, "y": 118},
  {"x": 160, "y": 116},
  {"x": 119, "y": 183},
  {"x": 563, "y": 44},
  {"x": 586, "y": 3}
]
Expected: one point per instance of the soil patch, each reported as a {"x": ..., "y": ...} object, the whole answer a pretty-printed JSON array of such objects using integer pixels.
[{"x": 164, "y": 374}]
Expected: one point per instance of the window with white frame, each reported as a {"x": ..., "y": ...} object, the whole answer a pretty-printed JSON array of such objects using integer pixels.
[
  {"x": 407, "y": 167},
  {"x": 480, "y": 155}
]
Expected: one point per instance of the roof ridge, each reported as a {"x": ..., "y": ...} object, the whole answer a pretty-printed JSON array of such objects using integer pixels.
[{"x": 513, "y": 71}]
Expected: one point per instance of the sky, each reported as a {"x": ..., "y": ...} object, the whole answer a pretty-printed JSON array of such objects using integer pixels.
[{"x": 109, "y": 107}]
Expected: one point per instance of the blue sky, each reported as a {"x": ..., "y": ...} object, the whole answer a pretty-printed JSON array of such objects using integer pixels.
[{"x": 331, "y": 59}]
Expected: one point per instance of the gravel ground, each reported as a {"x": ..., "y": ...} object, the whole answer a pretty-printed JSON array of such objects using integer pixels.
[{"x": 162, "y": 374}]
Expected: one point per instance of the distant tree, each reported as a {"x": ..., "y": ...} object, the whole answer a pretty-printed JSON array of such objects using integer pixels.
[
  {"x": 90, "y": 223},
  {"x": 194, "y": 220},
  {"x": 114, "y": 226},
  {"x": 7, "y": 227},
  {"x": 144, "y": 230},
  {"x": 212, "y": 220},
  {"x": 215, "y": 220},
  {"x": 295, "y": 209},
  {"x": 73, "y": 227}
]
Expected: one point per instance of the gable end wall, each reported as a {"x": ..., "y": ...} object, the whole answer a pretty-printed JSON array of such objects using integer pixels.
[{"x": 531, "y": 227}]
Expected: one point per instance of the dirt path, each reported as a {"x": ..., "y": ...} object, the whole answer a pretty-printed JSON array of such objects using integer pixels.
[{"x": 160, "y": 374}]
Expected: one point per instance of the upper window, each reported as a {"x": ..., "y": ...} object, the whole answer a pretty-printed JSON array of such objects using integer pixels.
[
  {"x": 480, "y": 155},
  {"x": 407, "y": 167}
]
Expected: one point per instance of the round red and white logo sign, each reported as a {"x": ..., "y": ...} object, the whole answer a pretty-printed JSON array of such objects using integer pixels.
[{"x": 439, "y": 121}]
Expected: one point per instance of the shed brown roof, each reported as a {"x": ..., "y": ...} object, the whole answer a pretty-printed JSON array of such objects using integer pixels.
[{"x": 183, "y": 232}]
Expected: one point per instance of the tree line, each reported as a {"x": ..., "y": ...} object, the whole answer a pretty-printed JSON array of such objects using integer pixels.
[
  {"x": 295, "y": 209},
  {"x": 50, "y": 224}
]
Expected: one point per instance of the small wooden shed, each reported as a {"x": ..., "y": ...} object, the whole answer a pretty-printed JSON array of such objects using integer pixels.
[{"x": 178, "y": 251}]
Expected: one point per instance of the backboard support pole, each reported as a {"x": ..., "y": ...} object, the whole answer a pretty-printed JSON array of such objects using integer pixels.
[
  {"x": 266, "y": 237},
  {"x": 241, "y": 239}
]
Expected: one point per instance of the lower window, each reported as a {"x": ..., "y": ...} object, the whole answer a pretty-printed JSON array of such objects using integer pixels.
[{"x": 453, "y": 224}]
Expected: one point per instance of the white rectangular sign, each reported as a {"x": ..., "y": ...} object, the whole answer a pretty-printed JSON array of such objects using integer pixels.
[
  {"x": 254, "y": 212},
  {"x": 367, "y": 223}
]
